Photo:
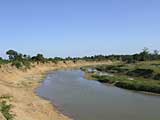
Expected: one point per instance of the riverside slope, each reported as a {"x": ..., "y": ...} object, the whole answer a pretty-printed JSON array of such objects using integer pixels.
[{"x": 21, "y": 86}]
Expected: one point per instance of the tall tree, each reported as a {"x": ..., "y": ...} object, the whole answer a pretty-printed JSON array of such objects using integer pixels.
[{"x": 12, "y": 54}]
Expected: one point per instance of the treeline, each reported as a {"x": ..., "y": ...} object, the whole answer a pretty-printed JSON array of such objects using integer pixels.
[
  {"x": 145, "y": 55},
  {"x": 22, "y": 60},
  {"x": 3, "y": 61}
]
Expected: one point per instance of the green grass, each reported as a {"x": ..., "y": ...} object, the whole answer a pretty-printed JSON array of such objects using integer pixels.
[
  {"x": 149, "y": 69},
  {"x": 139, "y": 84},
  {"x": 141, "y": 76},
  {"x": 5, "y": 108},
  {"x": 153, "y": 65}
]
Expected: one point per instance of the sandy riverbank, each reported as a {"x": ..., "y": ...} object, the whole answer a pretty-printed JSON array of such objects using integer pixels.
[{"x": 22, "y": 84}]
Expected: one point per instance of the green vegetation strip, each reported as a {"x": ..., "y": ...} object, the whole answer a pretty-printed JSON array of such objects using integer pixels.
[
  {"x": 136, "y": 84},
  {"x": 147, "y": 70}
]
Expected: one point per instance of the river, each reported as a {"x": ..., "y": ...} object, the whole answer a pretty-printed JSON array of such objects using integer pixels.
[{"x": 84, "y": 99}]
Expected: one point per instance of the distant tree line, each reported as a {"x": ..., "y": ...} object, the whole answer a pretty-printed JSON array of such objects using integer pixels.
[
  {"x": 22, "y": 60},
  {"x": 145, "y": 55}
]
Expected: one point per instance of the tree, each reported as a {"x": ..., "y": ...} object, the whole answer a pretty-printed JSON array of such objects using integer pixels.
[
  {"x": 58, "y": 58},
  {"x": 12, "y": 54},
  {"x": 155, "y": 54},
  {"x": 68, "y": 58},
  {"x": 39, "y": 58},
  {"x": 144, "y": 54}
]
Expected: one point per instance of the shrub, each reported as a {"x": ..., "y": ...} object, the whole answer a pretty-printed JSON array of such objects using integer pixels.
[
  {"x": 5, "y": 109},
  {"x": 21, "y": 64},
  {"x": 17, "y": 64},
  {"x": 138, "y": 87},
  {"x": 112, "y": 69},
  {"x": 157, "y": 76},
  {"x": 146, "y": 73},
  {"x": 27, "y": 64},
  {"x": 3, "y": 61}
]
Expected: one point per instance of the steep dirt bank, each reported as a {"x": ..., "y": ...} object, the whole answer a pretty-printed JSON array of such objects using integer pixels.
[{"x": 22, "y": 84}]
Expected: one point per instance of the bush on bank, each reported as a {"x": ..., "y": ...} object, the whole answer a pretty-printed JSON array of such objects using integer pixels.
[{"x": 124, "y": 82}]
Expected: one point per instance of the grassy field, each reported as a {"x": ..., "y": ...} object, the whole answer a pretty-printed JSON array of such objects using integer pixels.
[{"x": 141, "y": 76}]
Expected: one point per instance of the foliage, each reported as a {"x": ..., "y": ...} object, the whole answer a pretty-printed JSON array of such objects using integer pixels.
[
  {"x": 112, "y": 68},
  {"x": 17, "y": 64},
  {"x": 2, "y": 61},
  {"x": 26, "y": 64},
  {"x": 5, "y": 108},
  {"x": 12, "y": 54},
  {"x": 23, "y": 60},
  {"x": 150, "y": 70},
  {"x": 157, "y": 76},
  {"x": 136, "y": 84},
  {"x": 39, "y": 58},
  {"x": 146, "y": 73},
  {"x": 141, "y": 76},
  {"x": 19, "y": 60}
]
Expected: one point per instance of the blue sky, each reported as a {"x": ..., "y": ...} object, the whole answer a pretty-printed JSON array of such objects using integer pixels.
[{"x": 79, "y": 27}]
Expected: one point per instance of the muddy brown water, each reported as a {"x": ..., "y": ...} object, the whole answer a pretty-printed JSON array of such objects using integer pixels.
[{"x": 84, "y": 99}]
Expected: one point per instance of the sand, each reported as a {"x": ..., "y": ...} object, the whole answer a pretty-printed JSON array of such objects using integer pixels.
[{"x": 21, "y": 85}]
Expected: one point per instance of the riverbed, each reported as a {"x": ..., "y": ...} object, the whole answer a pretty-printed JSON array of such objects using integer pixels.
[{"x": 84, "y": 99}]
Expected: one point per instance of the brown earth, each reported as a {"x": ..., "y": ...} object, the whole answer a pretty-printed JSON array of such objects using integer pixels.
[{"x": 21, "y": 85}]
